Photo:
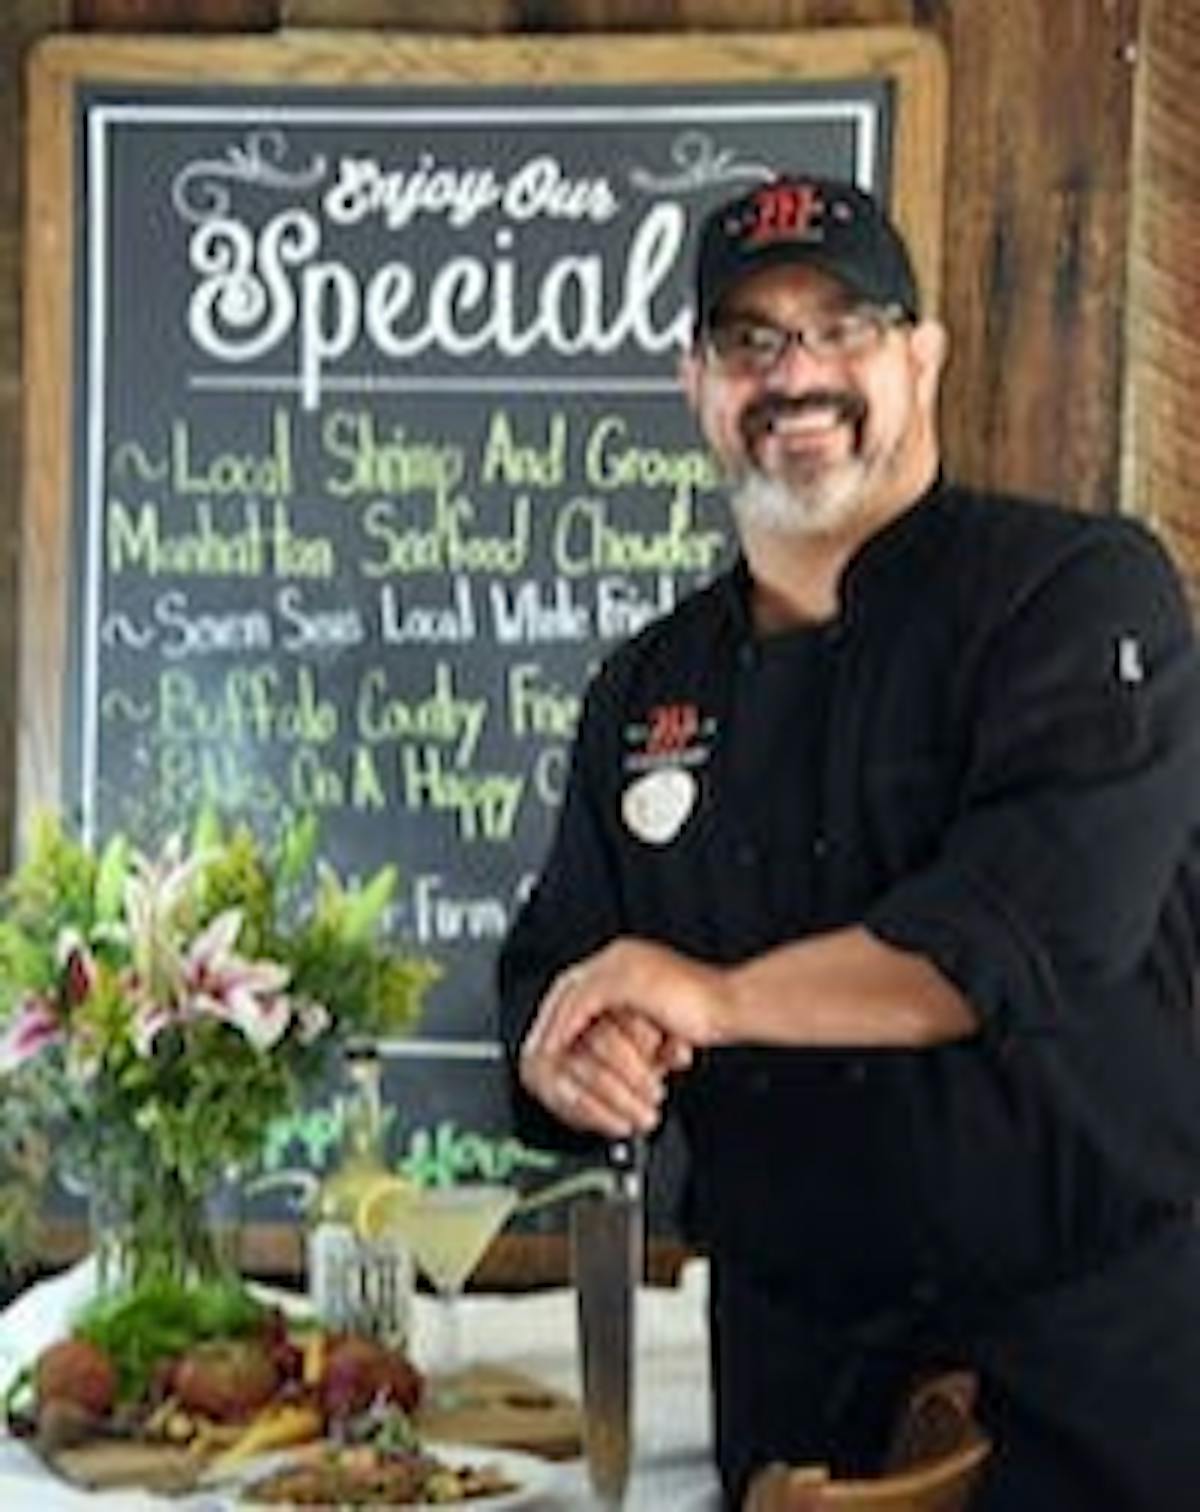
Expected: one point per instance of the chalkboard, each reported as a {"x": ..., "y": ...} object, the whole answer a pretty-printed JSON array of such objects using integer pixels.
[{"x": 354, "y": 438}]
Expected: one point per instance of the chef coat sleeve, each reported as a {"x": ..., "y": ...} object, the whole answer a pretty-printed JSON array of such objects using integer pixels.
[
  {"x": 1065, "y": 900},
  {"x": 573, "y": 909}
]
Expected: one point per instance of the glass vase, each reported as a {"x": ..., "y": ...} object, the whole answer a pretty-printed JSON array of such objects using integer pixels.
[{"x": 150, "y": 1224}]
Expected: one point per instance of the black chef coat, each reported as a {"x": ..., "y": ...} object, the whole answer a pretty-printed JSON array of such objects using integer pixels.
[{"x": 990, "y": 756}]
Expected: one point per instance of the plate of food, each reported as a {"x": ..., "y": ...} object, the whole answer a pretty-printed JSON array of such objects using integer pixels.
[
  {"x": 165, "y": 1387},
  {"x": 366, "y": 1475}
]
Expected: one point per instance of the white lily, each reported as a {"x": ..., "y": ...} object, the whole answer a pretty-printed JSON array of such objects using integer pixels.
[{"x": 155, "y": 891}]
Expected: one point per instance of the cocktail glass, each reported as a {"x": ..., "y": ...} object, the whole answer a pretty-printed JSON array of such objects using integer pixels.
[{"x": 449, "y": 1230}]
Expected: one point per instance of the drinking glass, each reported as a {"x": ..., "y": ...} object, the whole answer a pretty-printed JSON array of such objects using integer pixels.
[{"x": 449, "y": 1230}]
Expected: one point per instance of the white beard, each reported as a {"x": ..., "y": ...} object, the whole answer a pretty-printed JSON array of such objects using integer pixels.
[{"x": 817, "y": 507}]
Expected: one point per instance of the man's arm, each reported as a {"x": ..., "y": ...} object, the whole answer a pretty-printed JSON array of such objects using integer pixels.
[
  {"x": 1064, "y": 902},
  {"x": 1040, "y": 922},
  {"x": 1056, "y": 915},
  {"x": 613, "y": 1080},
  {"x": 855, "y": 990},
  {"x": 589, "y": 1055},
  {"x": 843, "y": 988}
]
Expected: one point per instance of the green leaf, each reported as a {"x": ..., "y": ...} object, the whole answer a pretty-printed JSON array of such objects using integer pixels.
[
  {"x": 362, "y": 909},
  {"x": 110, "y": 879},
  {"x": 297, "y": 846},
  {"x": 206, "y": 832}
]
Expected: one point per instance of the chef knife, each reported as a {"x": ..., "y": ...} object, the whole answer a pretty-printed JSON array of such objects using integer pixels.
[{"x": 607, "y": 1247}]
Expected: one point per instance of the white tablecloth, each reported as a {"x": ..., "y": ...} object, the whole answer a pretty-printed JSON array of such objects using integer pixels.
[{"x": 534, "y": 1333}]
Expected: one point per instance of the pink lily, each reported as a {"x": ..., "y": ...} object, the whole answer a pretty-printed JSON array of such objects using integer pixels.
[
  {"x": 149, "y": 1022},
  {"x": 247, "y": 994},
  {"x": 78, "y": 967},
  {"x": 35, "y": 1026}
]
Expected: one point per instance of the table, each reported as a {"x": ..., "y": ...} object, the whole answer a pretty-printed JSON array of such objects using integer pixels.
[{"x": 534, "y": 1333}]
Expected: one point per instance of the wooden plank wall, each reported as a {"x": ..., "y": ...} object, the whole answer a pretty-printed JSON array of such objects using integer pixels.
[
  {"x": 1070, "y": 281},
  {"x": 20, "y": 23},
  {"x": 1161, "y": 435}
]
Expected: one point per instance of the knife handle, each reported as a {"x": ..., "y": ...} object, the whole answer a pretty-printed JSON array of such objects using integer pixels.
[{"x": 627, "y": 1162}]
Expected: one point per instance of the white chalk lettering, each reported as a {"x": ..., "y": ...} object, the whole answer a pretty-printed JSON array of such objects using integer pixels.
[{"x": 256, "y": 293}]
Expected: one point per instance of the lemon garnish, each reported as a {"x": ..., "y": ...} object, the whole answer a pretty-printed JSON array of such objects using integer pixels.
[{"x": 386, "y": 1207}]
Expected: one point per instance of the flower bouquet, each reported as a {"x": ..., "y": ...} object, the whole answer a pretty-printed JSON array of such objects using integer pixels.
[{"x": 160, "y": 1011}]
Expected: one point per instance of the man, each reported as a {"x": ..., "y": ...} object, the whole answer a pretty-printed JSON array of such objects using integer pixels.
[{"x": 882, "y": 853}]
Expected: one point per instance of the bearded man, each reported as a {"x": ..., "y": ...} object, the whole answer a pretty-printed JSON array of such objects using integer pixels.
[{"x": 880, "y": 861}]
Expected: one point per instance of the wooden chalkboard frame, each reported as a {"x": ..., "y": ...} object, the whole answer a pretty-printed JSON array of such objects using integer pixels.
[{"x": 910, "y": 61}]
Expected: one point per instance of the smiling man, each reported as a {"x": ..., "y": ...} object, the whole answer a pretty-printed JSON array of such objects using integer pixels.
[
  {"x": 879, "y": 862},
  {"x": 816, "y": 437}
]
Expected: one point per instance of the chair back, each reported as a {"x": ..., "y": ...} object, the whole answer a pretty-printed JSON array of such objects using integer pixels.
[{"x": 935, "y": 1461}]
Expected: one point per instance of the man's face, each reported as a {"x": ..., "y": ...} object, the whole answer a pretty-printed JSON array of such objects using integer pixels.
[{"x": 815, "y": 443}]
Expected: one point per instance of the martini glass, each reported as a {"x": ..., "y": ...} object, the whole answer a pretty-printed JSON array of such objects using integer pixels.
[{"x": 449, "y": 1230}]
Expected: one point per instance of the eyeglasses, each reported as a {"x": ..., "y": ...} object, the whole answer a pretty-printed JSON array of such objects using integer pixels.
[{"x": 753, "y": 348}]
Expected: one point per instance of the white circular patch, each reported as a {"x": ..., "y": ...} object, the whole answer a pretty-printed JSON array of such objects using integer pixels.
[{"x": 655, "y": 807}]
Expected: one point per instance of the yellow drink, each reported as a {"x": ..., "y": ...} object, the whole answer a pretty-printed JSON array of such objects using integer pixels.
[{"x": 449, "y": 1228}]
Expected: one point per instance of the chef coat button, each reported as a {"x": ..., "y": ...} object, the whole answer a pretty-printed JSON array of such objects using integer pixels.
[
  {"x": 856, "y": 1072},
  {"x": 820, "y": 847},
  {"x": 746, "y": 853},
  {"x": 759, "y": 1081},
  {"x": 747, "y": 656}
]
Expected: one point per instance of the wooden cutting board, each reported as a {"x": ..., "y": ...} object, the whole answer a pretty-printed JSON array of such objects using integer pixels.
[
  {"x": 105, "y": 1464},
  {"x": 505, "y": 1409},
  {"x": 500, "y": 1409}
]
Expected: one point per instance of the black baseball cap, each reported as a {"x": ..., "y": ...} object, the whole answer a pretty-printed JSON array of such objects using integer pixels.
[{"x": 822, "y": 223}]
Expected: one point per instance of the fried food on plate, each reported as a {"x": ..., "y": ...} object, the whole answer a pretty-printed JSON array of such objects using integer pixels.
[{"x": 365, "y": 1475}]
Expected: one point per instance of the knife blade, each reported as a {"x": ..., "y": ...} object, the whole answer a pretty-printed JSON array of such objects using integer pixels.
[{"x": 607, "y": 1251}]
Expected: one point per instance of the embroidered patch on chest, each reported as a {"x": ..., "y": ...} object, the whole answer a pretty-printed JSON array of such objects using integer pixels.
[
  {"x": 671, "y": 734},
  {"x": 662, "y": 754},
  {"x": 656, "y": 805}
]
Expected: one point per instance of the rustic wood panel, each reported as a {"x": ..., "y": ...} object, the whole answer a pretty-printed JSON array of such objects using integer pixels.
[
  {"x": 734, "y": 15},
  {"x": 475, "y": 16},
  {"x": 175, "y": 15},
  {"x": 21, "y": 22},
  {"x": 590, "y": 15},
  {"x": 1036, "y": 214},
  {"x": 1162, "y": 430},
  {"x": 46, "y": 307}
]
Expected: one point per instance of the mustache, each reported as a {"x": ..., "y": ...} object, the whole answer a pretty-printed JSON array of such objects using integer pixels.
[{"x": 760, "y": 417}]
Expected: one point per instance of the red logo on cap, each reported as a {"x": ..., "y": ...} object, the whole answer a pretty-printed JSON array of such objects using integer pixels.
[{"x": 790, "y": 210}]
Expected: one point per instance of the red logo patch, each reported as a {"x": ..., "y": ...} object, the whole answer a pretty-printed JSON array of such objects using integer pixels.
[
  {"x": 671, "y": 727},
  {"x": 786, "y": 210}
]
